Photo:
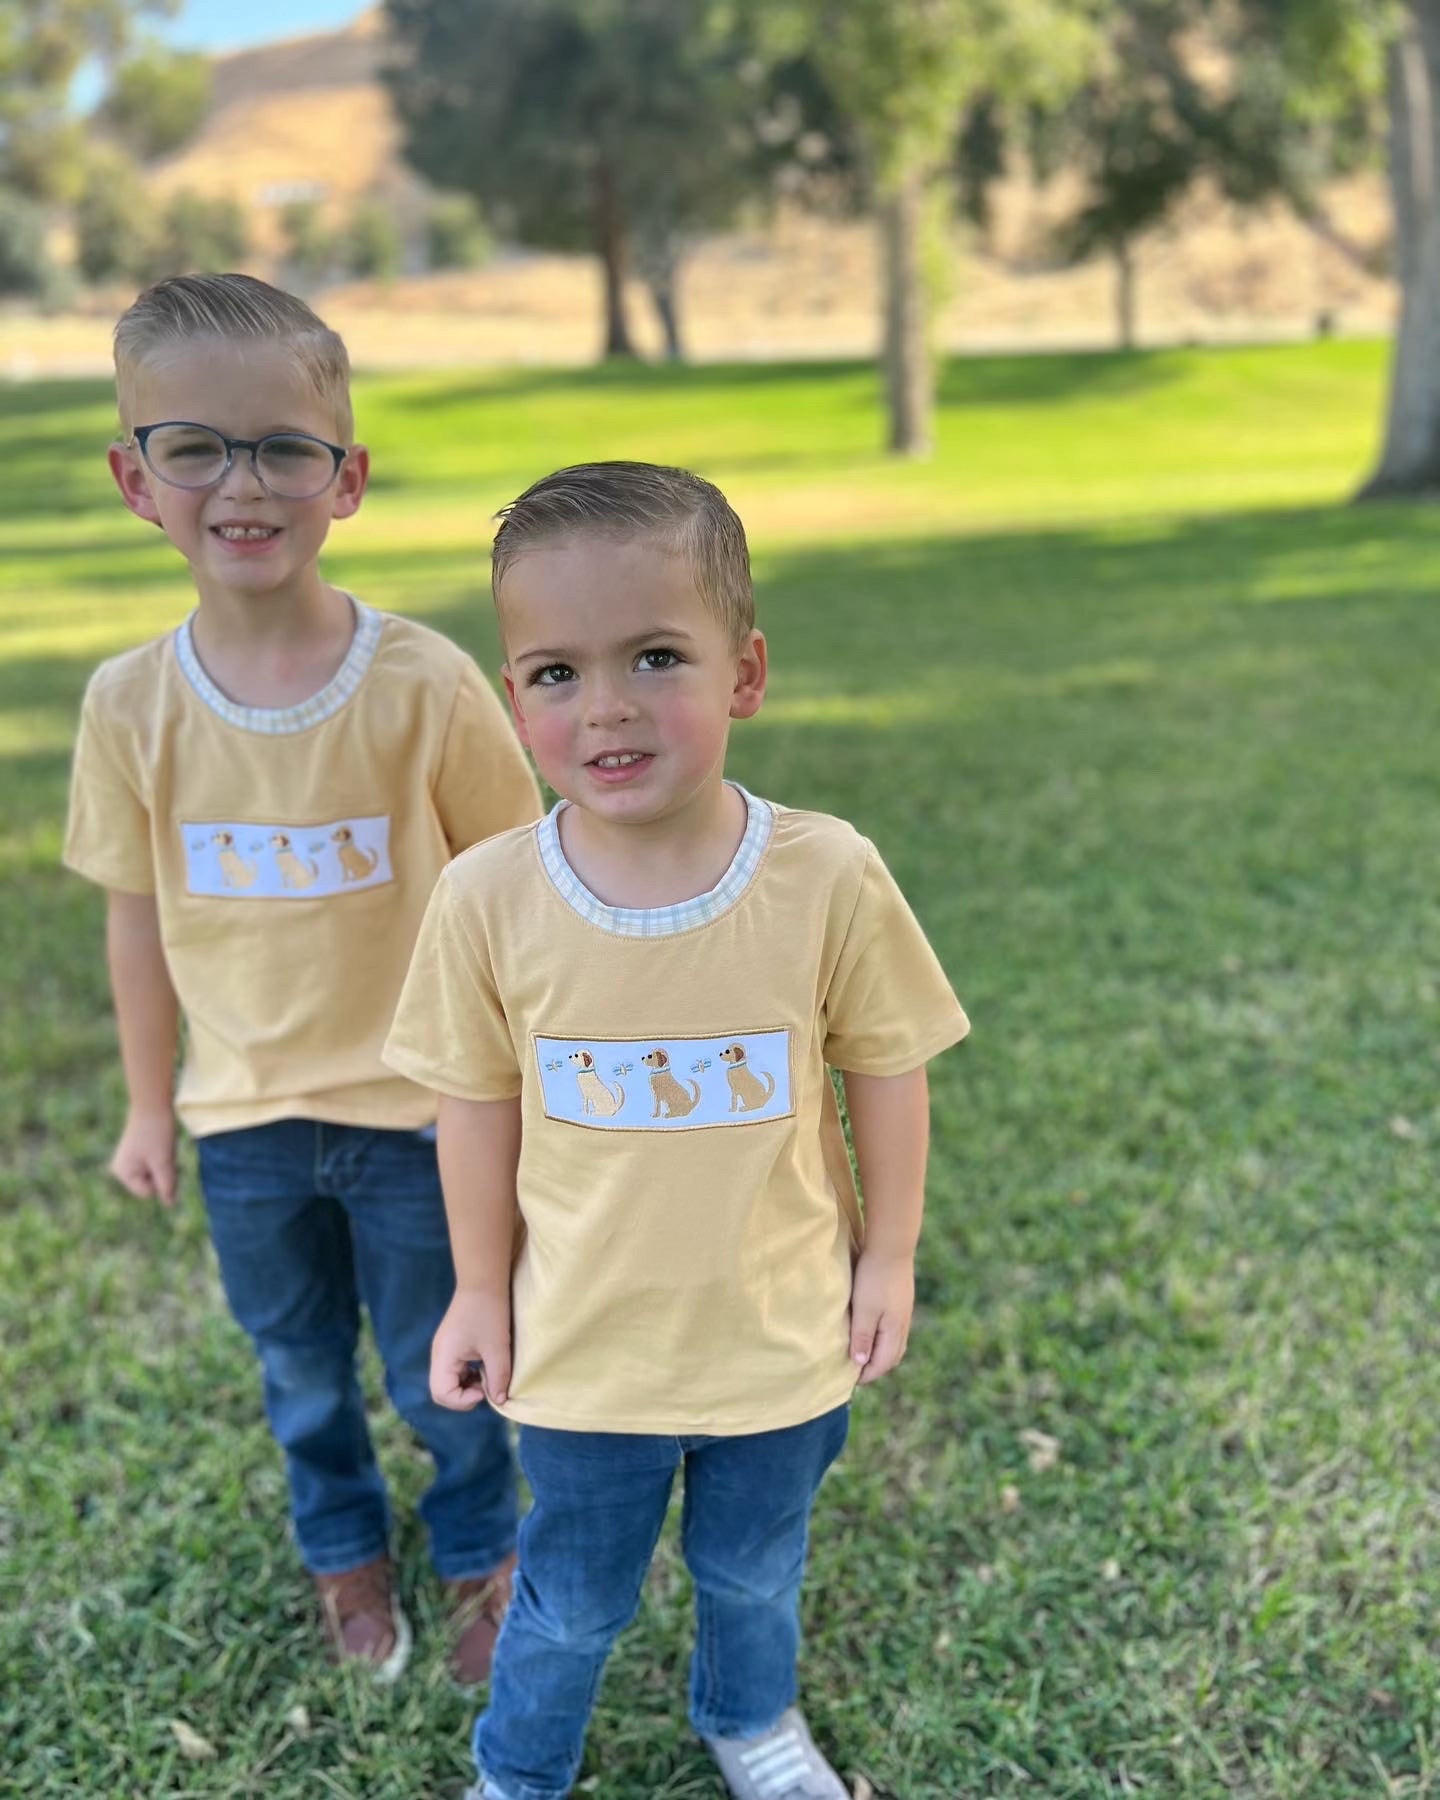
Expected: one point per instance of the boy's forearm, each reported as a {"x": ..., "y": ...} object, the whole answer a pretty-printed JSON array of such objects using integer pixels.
[
  {"x": 479, "y": 1147},
  {"x": 890, "y": 1123},
  {"x": 147, "y": 1013}
]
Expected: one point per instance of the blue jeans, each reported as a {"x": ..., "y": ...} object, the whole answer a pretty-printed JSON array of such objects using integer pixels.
[
  {"x": 600, "y": 1500},
  {"x": 308, "y": 1221}
]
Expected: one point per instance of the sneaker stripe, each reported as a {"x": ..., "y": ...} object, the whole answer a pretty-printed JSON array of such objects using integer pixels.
[{"x": 772, "y": 1747}]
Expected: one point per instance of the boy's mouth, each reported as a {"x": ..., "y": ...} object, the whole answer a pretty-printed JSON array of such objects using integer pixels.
[
  {"x": 245, "y": 534},
  {"x": 615, "y": 766}
]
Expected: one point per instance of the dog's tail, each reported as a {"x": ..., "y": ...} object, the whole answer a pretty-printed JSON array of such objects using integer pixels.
[
  {"x": 770, "y": 1090},
  {"x": 373, "y": 862},
  {"x": 620, "y": 1090},
  {"x": 696, "y": 1101}
]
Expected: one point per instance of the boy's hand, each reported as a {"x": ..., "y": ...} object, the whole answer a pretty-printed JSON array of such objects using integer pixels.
[
  {"x": 144, "y": 1159},
  {"x": 882, "y": 1298},
  {"x": 476, "y": 1329}
]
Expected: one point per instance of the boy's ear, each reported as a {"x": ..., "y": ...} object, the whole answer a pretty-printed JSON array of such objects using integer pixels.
[
  {"x": 751, "y": 670},
  {"x": 129, "y": 473},
  {"x": 350, "y": 484},
  {"x": 521, "y": 730}
]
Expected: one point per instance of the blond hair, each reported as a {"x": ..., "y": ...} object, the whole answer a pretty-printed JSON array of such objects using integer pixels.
[
  {"x": 686, "y": 514},
  {"x": 185, "y": 309}
]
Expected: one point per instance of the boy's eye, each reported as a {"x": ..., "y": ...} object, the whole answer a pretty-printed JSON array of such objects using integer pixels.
[
  {"x": 552, "y": 675},
  {"x": 658, "y": 659}
]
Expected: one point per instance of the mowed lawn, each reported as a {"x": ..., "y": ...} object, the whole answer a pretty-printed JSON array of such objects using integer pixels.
[{"x": 1145, "y": 719}]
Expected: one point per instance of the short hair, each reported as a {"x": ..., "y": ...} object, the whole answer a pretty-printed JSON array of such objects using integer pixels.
[
  {"x": 184, "y": 309},
  {"x": 685, "y": 513}
]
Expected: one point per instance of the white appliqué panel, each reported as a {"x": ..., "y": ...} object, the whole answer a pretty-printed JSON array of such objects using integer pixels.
[
  {"x": 666, "y": 1084},
  {"x": 234, "y": 860}
]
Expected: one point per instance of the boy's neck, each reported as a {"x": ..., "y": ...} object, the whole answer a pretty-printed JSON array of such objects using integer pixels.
[
  {"x": 657, "y": 862},
  {"x": 273, "y": 650}
]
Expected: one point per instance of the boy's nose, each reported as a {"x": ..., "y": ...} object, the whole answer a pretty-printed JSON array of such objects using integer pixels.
[
  {"x": 611, "y": 703},
  {"x": 240, "y": 482}
]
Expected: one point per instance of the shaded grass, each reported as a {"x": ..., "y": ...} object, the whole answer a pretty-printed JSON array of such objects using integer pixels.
[{"x": 1147, "y": 730}]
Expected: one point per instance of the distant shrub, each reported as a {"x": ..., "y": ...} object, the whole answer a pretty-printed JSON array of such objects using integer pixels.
[
  {"x": 158, "y": 100},
  {"x": 371, "y": 246},
  {"x": 25, "y": 266},
  {"x": 198, "y": 235},
  {"x": 310, "y": 249},
  {"x": 455, "y": 234},
  {"x": 113, "y": 223}
]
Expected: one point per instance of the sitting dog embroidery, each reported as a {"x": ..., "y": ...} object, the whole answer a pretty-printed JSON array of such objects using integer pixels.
[
  {"x": 235, "y": 870},
  {"x": 356, "y": 864},
  {"x": 671, "y": 1099},
  {"x": 295, "y": 871},
  {"x": 595, "y": 1097},
  {"x": 747, "y": 1094}
]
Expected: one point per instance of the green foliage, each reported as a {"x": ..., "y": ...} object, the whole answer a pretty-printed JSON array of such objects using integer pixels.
[
  {"x": 310, "y": 248},
  {"x": 114, "y": 222},
  {"x": 198, "y": 233},
  {"x": 25, "y": 266},
  {"x": 455, "y": 233},
  {"x": 1145, "y": 725},
  {"x": 42, "y": 44},
  {"x": 370, "y": 245},
  {"x": 158, "y": 99},
  {"x": 568, "y": 119}
]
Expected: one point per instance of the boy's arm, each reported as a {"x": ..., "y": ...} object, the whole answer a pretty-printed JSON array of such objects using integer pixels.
[
  {"x": 479, "y": 1145},
  {"x": 890, "y": 1123},
  {"x": 484, "y": 784},
  {"x": 147, "y": 1016}
]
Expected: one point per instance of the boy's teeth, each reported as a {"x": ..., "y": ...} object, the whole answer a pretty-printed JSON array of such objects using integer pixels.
[
  {"x": 246, "y": 531},
  {"x": 617, "y": 762}
]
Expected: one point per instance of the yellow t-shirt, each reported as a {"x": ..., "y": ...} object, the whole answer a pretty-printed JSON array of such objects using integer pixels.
[
  {"x": 688, "y": 1213},
  {"x": 291, "y": 853}
]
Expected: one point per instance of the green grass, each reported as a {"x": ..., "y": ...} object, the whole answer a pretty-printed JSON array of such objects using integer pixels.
[{"x": 1145, "y": 722}]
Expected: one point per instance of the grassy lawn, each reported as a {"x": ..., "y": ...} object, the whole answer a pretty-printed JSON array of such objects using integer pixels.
[{"x": 1146, "y": 724}]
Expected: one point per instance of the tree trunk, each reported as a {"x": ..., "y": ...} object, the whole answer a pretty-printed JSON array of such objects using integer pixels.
[
  {"x": 610, "y": 246},
  {"x": 909, "y": 374},
  {"x": 659, "y": 263},
  {"x": 1410, "y": 459},
  {"x": 1125, "y": 292}
]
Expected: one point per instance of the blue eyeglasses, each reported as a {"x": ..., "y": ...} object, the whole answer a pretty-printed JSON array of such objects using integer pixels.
[{"x": 289, "y": 464}]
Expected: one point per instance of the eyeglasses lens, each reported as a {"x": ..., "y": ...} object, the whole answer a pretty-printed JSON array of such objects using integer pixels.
[
  {"x": 295, "y": 467},
  {"x": 186, "y": 455}
]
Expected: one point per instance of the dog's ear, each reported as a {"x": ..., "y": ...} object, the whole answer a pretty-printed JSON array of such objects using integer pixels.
[{"x": 587, "y": 1060}]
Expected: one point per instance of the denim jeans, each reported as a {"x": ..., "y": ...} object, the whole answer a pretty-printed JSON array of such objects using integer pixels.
[
  {"x": 600, "y": 1500},
  {"x": 309, "y": 1221}
]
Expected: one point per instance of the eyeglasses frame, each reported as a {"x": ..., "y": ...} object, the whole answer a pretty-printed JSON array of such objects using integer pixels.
[{"x": 140, "y": 437}]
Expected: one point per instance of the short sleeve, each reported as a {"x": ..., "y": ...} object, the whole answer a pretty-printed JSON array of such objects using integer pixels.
[
  {"x": 484, "y": 783},
  {"x": 889, "y": 1007},
  {"x": 449, "y": 1032},
  {"x": 107, "y": 836}
]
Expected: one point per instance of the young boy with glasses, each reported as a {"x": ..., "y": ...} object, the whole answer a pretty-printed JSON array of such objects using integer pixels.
[
  {"x": 268, "y": 794},
  {"x": 629, "y": 1011}
]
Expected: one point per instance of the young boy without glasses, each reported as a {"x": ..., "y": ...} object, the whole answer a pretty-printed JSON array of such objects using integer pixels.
[
  {"x": 268, "y": 794},
  {"x": 628, "y": 1011}
]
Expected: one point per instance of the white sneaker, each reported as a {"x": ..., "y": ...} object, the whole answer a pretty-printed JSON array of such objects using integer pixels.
[{"x": 780, "y": 1764}]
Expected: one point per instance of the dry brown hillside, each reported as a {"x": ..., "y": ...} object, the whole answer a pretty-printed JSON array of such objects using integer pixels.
[{"x": 309, "y": 117}]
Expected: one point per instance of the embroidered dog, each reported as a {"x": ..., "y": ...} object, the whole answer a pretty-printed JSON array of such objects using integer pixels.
[
  {"x": 671, "y": 1099},
  {"x": 295, "y": 871},
  {"x": 595, "y": 1097},
  {"x": 235, "y": 871},
  {"x": 746, "y": 1092},
  {"x": 355, "y": 863}
]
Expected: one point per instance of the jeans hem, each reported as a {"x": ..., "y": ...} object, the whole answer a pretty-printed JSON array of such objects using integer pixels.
[
  {"x": 729, "y": 1730},
  {"x": 473, "y": 1565},
  {"x": 525, "y": 1791},
  {"x": 336, "y": 1562}
]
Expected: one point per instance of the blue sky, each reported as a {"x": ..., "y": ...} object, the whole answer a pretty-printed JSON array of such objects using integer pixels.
[{"x": 219, "y": 25}]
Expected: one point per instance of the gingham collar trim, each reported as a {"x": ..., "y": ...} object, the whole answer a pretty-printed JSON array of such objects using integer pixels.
[
  {"x": 659, "y": 921},
  {"x": 282, "y": 721}
]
